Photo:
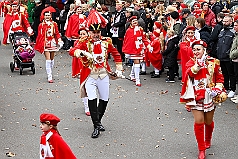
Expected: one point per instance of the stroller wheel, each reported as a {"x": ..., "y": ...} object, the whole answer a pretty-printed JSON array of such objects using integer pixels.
[
  {"x": 12, "y": 66},
  {"x": 33, "y": 70},
  {"x": 21, "y": 70}
]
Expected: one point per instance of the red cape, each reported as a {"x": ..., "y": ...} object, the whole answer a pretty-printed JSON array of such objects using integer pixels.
[
  {"x": 60, "y": 148},
  {"x": 156, "y": 57}
]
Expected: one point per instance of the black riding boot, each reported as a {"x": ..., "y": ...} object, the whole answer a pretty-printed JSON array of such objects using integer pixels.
[
  {"x": 101, "y": 110},
  {"x": 92, "y": 104}
]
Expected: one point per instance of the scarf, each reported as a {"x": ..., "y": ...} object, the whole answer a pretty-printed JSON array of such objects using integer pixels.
[{"x": 45, "y": 151}]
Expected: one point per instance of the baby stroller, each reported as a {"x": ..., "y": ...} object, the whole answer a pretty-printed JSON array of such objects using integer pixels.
[{"x": 23, "y": 52}]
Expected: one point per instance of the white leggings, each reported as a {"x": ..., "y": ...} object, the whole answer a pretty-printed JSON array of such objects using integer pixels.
[{"x": 101, "y": 85}]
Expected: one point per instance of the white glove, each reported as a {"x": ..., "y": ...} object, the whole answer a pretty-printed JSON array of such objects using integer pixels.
[
  {"x": 119, "y": 74},
  {"x": 61, "y": 43},
  {"x": 201, "y": 62},
  {"x": 212, "y": 93},
  {"x": 87, "y": 54},
  {"x": 151, "y": 49},
  {"x": 29, "y": 30},
  {"x": 77, "y": 53}
]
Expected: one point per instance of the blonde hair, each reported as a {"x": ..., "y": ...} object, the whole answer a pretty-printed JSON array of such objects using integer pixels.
[
  {"x": 72, "y": 6},
  {"x": 171, "y": 32},
  {"x": 191, "y": 20}
]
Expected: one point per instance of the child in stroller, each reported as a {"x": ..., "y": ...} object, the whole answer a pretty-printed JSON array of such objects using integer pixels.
[{"x": 23, "y": 53}]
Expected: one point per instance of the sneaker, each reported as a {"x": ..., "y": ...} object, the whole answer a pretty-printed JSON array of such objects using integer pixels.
[
  {"x": 231, "y": 94},
  {"x": 169, "y": 81}
]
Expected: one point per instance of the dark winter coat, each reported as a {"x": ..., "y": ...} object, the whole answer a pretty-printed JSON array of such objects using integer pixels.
[
  {"x": 225, "y": 39},
  {"x": 205, "y": 34},
  {"x": 121, "y": 23},
  {"x": 36, "y": 17},
  {"x": 214, "y": 39},
  {"x": 171, "y": 52}
]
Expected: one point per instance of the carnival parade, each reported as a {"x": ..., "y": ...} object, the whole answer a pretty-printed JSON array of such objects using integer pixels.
[{"x": 119, "y": 79}]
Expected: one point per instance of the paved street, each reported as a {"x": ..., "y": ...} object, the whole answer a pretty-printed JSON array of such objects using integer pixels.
[{"x": 144, "y": 122}]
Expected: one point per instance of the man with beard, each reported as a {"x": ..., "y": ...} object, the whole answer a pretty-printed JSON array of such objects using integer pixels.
[
  {"x": 225, "y": 39},
  {"x": 95, "y": 73}
]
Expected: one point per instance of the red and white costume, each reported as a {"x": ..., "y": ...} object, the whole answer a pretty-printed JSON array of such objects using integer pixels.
[
  {"x": 48, "y": 37},
  {"x": 13, "y": 22},
  {"x": 98, "y": 67},
  {"x": 73, "y": 26},
  {"x": 52, "y": 145},
  {"x": 185, "y": 54},
  {"x": 199, "y": 79},
  {"x": 155, "y": 56},
  {"x": 47, "y": 40},
  {"x": 134, "y": 47}
]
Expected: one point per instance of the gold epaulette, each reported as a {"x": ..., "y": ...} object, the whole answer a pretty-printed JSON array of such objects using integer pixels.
[{"x": 108, "y": 39}]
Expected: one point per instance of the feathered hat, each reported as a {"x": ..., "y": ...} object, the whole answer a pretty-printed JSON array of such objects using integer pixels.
[{"x": 95, "y": 21}]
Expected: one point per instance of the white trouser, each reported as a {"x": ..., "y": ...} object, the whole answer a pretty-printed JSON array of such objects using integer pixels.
[
  {"x": 48, "y": 69},
  {"x": 85, "y": 103},
  {"x": 101, "y": 85}
]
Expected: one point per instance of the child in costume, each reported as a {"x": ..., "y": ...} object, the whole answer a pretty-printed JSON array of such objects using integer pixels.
[
  {"x": 77, "y": 64},
  {"x": 52, "y": 145}
]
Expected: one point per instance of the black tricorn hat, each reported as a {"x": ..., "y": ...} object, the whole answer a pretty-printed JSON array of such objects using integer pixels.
[{"x": 95, "y": 27}]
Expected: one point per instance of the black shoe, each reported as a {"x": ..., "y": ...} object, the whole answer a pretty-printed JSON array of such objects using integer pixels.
[
  {"x": 179, "y": 78},
  {"x": 153, "y": 72},
  {"x": 142, "y": 72},
  {"x": 95, "y": 133},
  {"x": 101, "y": 128},
  {"x": 155, "y": 76}
]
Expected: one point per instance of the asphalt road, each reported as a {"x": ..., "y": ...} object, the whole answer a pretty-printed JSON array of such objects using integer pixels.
[{"x": 145, "y": 122}]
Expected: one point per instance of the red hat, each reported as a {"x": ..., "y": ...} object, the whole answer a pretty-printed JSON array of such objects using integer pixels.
[
  {"x": 132, "y": 18},
  {"x": 197, "y": 4},
  {"x": 48, "y": 9},
  {"x": 189, "y": 28},
  {"x": 158, "y": 24},
  {"x": 199, "y": 42},
  {"x": 156, "y": 32},
  {"x": 49, "y": 119},
  {"x": 14, "y": 3}
]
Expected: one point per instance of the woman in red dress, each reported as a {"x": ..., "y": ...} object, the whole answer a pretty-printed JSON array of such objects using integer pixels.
[
  {"x": 202, "y": 89},
  {"x": 47, "y": 40},
  {"x": 134, "y": 45}
]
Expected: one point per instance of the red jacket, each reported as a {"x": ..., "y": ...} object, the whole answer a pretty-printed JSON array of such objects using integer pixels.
[
  {"x": 73, "y": 25},
  {"x": 41, "y": 38},
  {"x": 13, "y": 18},
  {"x": 86, "y": 70},
  {"x": 130, "y": 39},
  {"x": 210, "y": 18},
  {"x": 217, "y": 77}
]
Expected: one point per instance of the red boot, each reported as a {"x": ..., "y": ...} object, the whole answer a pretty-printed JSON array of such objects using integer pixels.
[
  {"x": 208, "y": 134},
  {"x": 199, "y": 133}
]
